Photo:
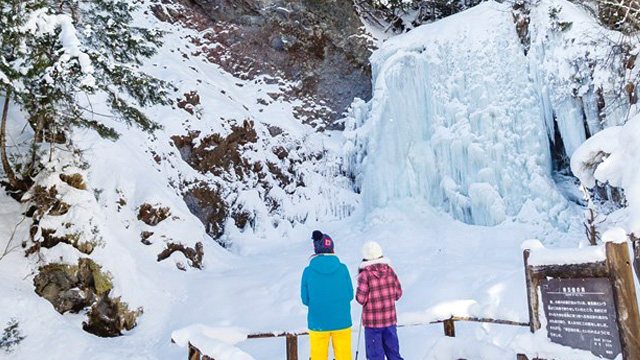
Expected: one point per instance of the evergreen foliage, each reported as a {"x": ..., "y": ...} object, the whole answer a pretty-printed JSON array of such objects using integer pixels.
[
  {"x": 394, "y": 4},
  {"x": 11, "y": 336},
  {"x": 53, "y": 53},
  {"x": 417, "y": 12}
]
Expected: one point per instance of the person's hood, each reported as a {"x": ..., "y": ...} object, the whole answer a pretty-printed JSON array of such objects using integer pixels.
[
  {"x": 382, "y": 260},
  {"x": 378, "y": 267},
  {"x": 325, "y": 263}
]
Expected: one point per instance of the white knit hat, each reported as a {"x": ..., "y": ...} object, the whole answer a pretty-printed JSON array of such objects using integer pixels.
[{"x": 371, "y": 251}]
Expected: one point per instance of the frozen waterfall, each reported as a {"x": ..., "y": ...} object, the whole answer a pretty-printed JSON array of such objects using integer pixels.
[{"x": 457, "y": 120}]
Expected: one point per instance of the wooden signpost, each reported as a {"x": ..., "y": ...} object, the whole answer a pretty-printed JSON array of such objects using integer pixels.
[{"x": 590, "y": 306}]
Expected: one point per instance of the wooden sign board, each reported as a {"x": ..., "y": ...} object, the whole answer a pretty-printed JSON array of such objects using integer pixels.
[
  {"x": 581, "y": 314},
  {"x": 591, "y": 306}
]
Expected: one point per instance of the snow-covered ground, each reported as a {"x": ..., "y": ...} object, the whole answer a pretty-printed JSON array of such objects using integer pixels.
[
  {"x": 446, "y": 268},
  {"x": 483, "y": 159}
]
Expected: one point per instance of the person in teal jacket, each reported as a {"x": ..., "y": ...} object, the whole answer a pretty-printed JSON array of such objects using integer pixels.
[{"x": 327, "y": 291}]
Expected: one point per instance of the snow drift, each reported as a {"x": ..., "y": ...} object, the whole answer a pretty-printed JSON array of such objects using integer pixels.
[{"x": 609, "y": 158}]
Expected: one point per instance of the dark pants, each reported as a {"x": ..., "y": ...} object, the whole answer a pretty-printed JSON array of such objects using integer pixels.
[{"x": 381, "y": 342}]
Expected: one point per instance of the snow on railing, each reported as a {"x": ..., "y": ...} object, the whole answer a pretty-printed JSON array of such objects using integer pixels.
[
  {"x": 542, "y": 256},
  {"x": 216, "y": 343},
  {"x": 208, "y": 343}
]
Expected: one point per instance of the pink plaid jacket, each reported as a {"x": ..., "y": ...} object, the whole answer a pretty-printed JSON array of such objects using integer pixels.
[{"x": 378, "y": 291}]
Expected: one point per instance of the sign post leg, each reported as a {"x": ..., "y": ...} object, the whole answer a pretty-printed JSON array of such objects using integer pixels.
[{"x": 624, "y": 291}]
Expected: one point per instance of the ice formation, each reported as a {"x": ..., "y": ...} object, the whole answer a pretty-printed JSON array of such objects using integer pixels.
[{"x": 455, "y": 120}]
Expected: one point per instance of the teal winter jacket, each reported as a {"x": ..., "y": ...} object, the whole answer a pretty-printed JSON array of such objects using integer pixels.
[{"x": 327, "y": 291}]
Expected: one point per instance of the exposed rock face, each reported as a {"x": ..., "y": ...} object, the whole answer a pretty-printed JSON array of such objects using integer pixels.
[
  {"x": 60, "y": 284},
  {"x": 315, "y": 51},
  {"x": 73, "y": 288},
  {"x": 108, "y": 317},
  {"x": 316, "y": 43},
  {"x": 151, "y": 215},
  {"x": 194, "y": 255},
  {"x": 276, "y": 177}
]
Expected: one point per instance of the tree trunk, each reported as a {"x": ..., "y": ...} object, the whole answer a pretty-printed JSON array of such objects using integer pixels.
[
  {"x": 13, "y": 182},
  {"x": 34, "y": 146}
]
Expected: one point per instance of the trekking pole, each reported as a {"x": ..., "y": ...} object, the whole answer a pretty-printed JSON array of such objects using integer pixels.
[{"x": 359, "y": 330}]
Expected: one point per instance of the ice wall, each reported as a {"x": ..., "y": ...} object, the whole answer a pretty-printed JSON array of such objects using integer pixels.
[
  {"x": 457, "y": 120},
  {"x": 580, "y": 69}
]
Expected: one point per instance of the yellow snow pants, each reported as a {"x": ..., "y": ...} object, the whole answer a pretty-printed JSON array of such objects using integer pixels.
[{"x": 340, "y": 339}]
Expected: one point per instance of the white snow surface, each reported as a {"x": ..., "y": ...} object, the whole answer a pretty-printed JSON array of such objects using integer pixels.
[
  {"x": 610, "y": 157},
  {"x": 213, "y": 342},
  {"x": 457, "y": 120},
  {"x": 590, "y": 254},
  {"x": 615, "y": 235}
]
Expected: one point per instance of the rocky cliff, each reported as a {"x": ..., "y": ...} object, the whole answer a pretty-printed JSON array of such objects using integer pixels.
[{"x": 316, "y": 50}]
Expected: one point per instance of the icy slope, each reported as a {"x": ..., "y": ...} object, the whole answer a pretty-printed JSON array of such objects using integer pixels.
[{"x": 456, "y": 120}]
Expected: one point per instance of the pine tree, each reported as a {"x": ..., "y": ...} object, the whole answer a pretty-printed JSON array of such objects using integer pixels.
[
  {"x": 64, "y": 48},
  {"x": 12, "y": 16},
  {"x": 11, "y": 336}
]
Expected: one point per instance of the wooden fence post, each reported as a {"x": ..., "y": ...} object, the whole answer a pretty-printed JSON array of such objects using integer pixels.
[
  {"x": 449, "y": 328},
  {"x": 532, "y": 293},
  {"x": 292, "y": 347},
  {"x": 194, "y": 354},
  {"x": 635, "y": 242},
  {"x": 624, "y": 292}
]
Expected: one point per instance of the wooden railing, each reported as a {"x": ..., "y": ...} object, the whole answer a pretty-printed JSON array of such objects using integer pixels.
[{"x": 292, "y": 337}]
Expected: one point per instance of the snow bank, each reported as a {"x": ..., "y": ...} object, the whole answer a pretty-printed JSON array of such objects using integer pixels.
[
  {"x": 215, "y": 342},
  {"x": 532, "y": 344},
  {"x": 440, "y": 311},
  {"x": 615, "y": 235},
  {"x": 541, "y": 256},
  {"x": 457, "y": 308},
  {"x": 457, "y": 348},
  {"x": 611, "y": 157},
  {"x": 538, "y": 345}
]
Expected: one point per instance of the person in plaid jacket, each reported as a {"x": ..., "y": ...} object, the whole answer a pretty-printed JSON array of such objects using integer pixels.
[{"x": 378, "y": 291}]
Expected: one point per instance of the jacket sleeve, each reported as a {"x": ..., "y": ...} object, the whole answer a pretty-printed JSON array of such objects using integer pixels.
[
  {"x": 304, "y": 289},
  {"x": 349, "y": 283},
  {"x": 362, "y": 294},
  {"x": 397, "y": 286}
]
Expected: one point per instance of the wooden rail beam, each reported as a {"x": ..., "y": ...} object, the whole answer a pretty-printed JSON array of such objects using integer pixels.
[
  {"x": 292, "y": 337},
  {"x": 490, "y": 321}
]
